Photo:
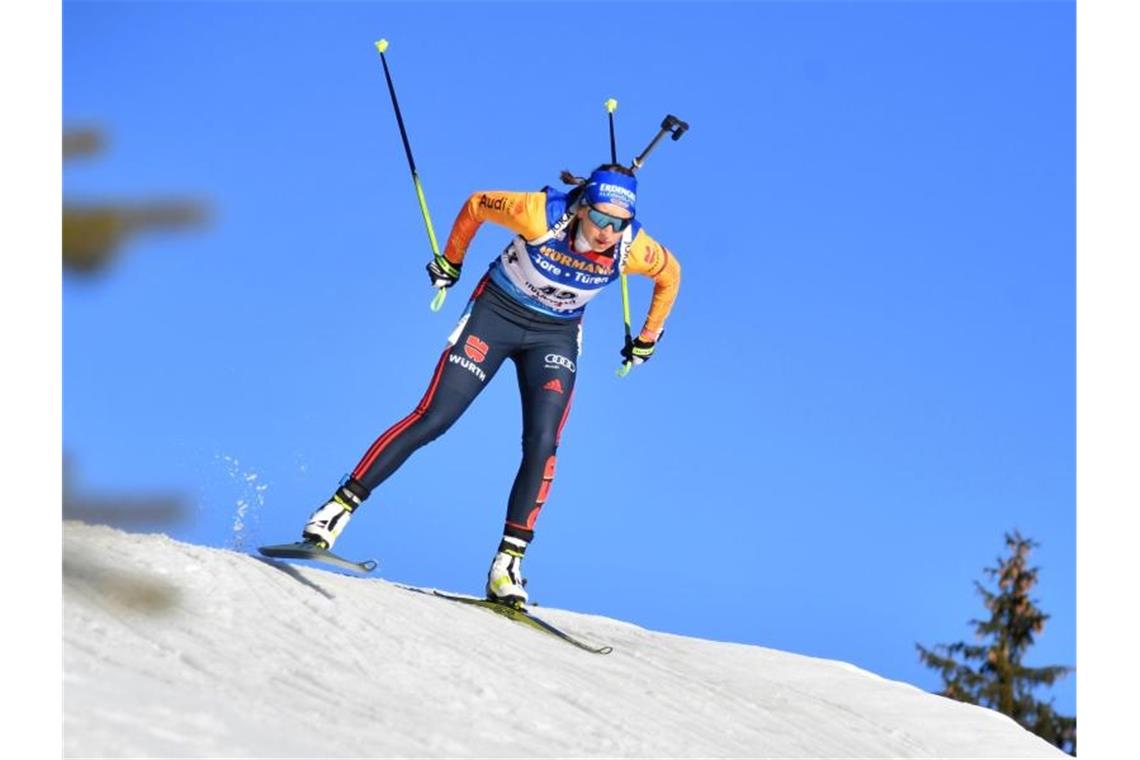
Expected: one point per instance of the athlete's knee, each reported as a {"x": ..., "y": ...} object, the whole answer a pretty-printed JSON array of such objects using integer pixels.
[
  {"x": 433, "y": 423},
  {"x": 541, "y": 442}
]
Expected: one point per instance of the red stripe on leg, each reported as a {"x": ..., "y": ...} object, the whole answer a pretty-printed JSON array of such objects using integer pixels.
[
  {"x": 565, "y": 416},
  {"x": 430, "y": 393},
  {"x": 389, "y": 435},
  {"x": 479, "y": 288}
]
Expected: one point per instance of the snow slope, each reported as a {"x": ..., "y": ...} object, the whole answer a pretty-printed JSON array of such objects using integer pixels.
[{"x": 177, "y": 650}]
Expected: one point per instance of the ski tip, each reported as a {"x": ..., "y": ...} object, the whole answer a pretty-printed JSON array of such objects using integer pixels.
[
  {"x": 382, "y": 46},
  {"x": 308, "y": 552}
]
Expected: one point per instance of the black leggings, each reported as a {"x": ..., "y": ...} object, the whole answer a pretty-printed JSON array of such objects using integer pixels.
[{"x": 545, "y": 353}]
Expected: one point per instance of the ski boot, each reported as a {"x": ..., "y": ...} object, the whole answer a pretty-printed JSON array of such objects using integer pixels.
[
  {"x": 330, "y": 519},
  {"x": 505, "y": 583}
]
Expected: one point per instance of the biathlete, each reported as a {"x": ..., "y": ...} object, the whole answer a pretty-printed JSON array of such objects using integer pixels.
[{"x": 528, "y": 307}]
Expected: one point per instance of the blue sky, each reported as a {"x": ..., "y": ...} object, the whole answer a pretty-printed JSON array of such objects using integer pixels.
[{"x": 867, "y": 379}]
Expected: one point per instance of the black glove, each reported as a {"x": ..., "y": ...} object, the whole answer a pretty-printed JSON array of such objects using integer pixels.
[
  {"x": 639, "y": 351},
  {"x": 443, "y": 273}
]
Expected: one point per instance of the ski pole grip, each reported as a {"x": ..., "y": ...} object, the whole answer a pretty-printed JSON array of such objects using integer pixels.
[{"x": 382, "y": 46}]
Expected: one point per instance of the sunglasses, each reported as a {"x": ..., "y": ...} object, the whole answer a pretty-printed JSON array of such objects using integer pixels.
[{"x": 603, "y": 220}]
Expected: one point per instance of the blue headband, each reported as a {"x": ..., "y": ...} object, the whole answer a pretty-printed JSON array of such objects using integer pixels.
[{"x": 611, "y": 187}]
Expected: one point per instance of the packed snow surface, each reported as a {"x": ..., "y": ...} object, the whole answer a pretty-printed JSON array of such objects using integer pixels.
[{"x": 177, "y": 650}]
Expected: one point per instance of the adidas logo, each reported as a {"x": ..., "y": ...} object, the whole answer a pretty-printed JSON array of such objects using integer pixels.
[{"x": 554, "y": 385}]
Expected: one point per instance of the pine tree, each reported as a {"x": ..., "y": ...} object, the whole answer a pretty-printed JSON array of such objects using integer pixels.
[{"x": 1000, "y": 680}]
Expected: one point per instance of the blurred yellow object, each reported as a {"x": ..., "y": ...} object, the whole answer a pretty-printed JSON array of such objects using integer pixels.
[
  {"x": 88, "y": 141},
  {"x": 94, "y": 232}
]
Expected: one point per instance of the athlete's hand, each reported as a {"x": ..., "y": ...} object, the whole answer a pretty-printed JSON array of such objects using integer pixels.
[
  {"x": 443, "y": 273},
  {"x": 639, "y": 351}
]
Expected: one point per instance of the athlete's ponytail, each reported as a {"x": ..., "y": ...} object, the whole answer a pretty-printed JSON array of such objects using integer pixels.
[{"x": 570, "y": 178}]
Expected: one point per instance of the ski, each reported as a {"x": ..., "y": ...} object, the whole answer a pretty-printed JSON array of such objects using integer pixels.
[
  {"x": 304, "y": 550},
  {"x": 518, "y": 615}
]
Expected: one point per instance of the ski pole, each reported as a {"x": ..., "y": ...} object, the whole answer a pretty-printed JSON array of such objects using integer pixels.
[
  {"x": 443, "y": 263},
  {"x": 670, "y": 124},
  {"x": 623, "y": 370},
  {"x": 626, "y": 365}
]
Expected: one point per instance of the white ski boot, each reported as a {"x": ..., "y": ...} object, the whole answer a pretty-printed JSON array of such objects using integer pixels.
[
  {"x": 330, "y": 519},
  {"x": 504, "y": 581}
]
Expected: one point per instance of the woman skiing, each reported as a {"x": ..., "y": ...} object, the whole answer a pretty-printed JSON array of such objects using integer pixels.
[{"x": 528, "y": 307}]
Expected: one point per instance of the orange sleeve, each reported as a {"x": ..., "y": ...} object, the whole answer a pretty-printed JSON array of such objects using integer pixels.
[
  {"x": 522, "y": 213},
  {"x": 650, "y": 258}
]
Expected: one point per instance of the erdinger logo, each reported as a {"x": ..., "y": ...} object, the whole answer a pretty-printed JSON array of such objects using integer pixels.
[
  {"x": 621, "y": 196},
  {"x": 475, "y": 348},
  {"x": 554, "y": 361}
]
